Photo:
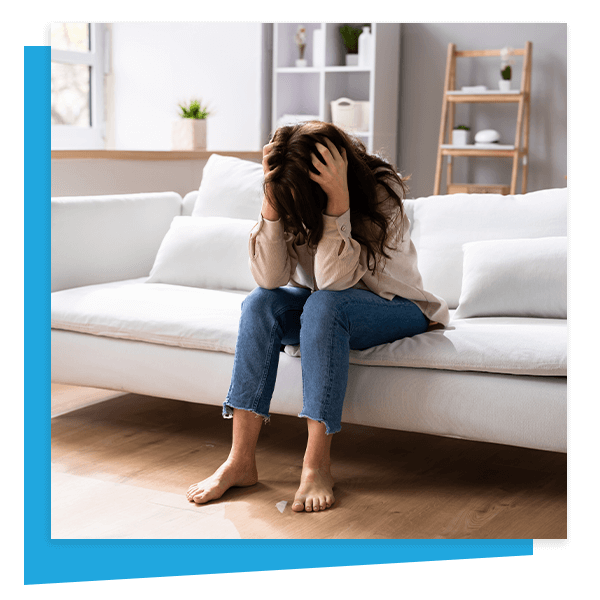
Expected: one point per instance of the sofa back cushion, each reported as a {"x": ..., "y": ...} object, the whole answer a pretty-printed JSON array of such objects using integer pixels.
[
  {"x": 442, "y": 224},
  {"x": 230, "y": 187},
  {"x": 96, "y": 239}
]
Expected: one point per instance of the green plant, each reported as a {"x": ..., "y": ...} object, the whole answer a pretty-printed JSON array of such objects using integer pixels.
[
  {"x": 350, "y": 37},
  {"x": 465, "y": 127},
  {"x": 506, "y": 55},
  {"x": 194, "y": 111}
]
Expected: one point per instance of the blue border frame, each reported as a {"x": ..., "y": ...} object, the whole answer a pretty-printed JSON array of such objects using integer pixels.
[{"x": 56, "y": 561}]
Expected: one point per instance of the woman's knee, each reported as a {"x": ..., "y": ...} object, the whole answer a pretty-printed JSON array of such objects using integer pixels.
[
  {"x": 261, "y": 300},
  {"x": 272, "y": 302},
  {"x": 323, "y": 308}
]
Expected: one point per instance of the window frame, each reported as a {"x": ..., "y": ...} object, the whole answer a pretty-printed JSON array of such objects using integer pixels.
[{"x": 73, "y": 137}]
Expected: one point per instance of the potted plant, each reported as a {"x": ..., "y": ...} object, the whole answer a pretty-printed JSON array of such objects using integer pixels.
[
  {"x": 505, "y": 69},
  {"x": 350, "y": 38},
  {"x": 189, "y": 132},
  {"x": 460, "y": 135}
]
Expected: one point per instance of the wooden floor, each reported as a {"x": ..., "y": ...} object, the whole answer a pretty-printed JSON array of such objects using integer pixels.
[{"x": 389, "y": 484}]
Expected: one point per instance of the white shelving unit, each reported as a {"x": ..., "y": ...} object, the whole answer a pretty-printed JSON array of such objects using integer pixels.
[{"x": 310, "y": 90}]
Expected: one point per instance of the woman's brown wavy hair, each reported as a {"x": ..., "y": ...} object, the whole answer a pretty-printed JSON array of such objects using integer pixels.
[{"x": 300, "y": 201}]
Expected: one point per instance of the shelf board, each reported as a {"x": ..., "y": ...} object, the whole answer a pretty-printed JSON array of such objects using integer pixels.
[
  {"x": 480, "y": 146},
  {"x": 472, "y": 150},
  {"x": 151, "y": 154},
  {"x": 486, "y": 92},
  {"x": 332, "y": 69},
  {"x": 488, "y": 96}
]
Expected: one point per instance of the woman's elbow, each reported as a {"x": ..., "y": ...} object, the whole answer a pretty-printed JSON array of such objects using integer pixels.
[
  {"x": 332, "y": 285},
  {"x": 268, "y": 281}
]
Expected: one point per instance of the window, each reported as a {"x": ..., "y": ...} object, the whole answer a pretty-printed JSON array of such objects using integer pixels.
[{"x": 79, "y": 61}]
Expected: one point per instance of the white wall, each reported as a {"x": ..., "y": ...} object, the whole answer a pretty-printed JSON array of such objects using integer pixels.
[{"x": 157, "y": 65}]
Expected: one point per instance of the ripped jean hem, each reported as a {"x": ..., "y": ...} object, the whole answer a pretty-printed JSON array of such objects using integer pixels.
[
  {"x": 228, "y": 411},
  {"x": 328, "y": 428}
]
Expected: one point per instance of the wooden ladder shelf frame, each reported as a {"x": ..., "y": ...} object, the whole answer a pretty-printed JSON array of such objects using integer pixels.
[{"x": 521, "y": 145}]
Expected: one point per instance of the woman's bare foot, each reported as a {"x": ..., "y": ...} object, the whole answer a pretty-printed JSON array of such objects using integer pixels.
[
  {"x": 229, "y": 474},
  {"x": 316, "y": 490}
]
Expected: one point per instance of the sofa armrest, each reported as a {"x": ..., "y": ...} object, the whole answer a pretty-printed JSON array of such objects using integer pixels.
[
  {"x": 97, "y": 239},
  {"x": 189, "y": 200}
]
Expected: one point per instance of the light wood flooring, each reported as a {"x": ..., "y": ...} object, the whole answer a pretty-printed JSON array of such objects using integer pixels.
[{"x": 121, "y": 467}]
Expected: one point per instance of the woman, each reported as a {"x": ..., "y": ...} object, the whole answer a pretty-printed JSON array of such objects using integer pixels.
[{"x": 332, "y": 255}]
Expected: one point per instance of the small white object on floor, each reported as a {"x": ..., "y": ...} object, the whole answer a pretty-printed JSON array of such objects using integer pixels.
[{"x": 281, "y": 505}]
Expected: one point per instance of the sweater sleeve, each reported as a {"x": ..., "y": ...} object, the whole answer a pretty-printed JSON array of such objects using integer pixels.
[
  {"x": 339, "y": 260},
  {"x": 273, "y": 259}
]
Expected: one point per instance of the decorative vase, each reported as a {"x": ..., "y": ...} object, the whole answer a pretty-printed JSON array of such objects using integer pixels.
[
  {"x": 301, "y": 62},
  {"x": 351, "y": 60},
  {"x": 504, "y": 85},
  {"x": 365, "y": 48},
  {"x": 188, "y": 134},
  {"x": 460, "y": 137},
  {"x": 318, "y": 48}
]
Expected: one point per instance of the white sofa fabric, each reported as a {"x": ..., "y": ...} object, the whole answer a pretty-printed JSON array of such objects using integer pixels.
[{"x": 141, "y": 321}]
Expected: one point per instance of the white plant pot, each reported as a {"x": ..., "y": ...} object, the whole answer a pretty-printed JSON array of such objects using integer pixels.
[
  {"x": 460, "y": 137},
  {"x": 301, "y": 62},
  {"x": 504, "y": 85},
  {"x": 352, "y": 60},
  {"x": 188, "y": 134}
]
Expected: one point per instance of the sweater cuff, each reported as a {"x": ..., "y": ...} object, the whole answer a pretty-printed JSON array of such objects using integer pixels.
[
  {"x": 337, "y": 226},
  {"x": 270, "y": 230}
]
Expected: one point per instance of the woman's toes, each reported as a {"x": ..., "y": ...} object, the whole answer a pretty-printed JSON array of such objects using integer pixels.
[{"x": 297, "y": 506}]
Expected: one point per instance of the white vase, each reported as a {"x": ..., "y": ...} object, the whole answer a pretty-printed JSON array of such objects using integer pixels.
[
  {"x": 301, "y": 62},
  {"x": 460, "y": 137},
  {"x": 365, "y": 48},
  {"x": 351, "y": 60},
  {"x": 188, "y": 134},
  {"x": 318, "y": 50},
  {"x": 504, "y": 85}
]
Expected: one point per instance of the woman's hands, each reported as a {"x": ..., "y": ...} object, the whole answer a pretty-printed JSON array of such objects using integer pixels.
[
  {"x": 267, "y": 210},
  {"x": 332, "y": 177}
]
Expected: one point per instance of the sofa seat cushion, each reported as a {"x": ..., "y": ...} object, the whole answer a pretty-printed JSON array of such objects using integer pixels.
[
  {"x": 208, "y": 319},
  {"x": 512, "y": 345},
  {"x": 158, "y": 313}
]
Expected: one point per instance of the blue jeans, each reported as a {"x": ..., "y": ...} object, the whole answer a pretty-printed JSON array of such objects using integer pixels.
[{"x": 326, "y": 324}]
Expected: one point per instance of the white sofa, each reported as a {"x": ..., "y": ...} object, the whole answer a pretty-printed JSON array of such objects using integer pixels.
[{"x": 147, "y": 289}]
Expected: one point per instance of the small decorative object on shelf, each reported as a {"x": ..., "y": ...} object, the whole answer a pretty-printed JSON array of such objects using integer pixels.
[
  {"x": 350, "y": 115},
  {"x": 300, "y": 39},
  {"x": 350, "y": 38},
  {"x": 365, "y": 47},
  {"x": 189, "y": 132},
  {"x": 487, "y": 136},
  {"x": 460, "y": 135},
  {"x": 318, "y": 50},
  {"x": 473, "y": 89},
  {"x": 505, "y": 69}
]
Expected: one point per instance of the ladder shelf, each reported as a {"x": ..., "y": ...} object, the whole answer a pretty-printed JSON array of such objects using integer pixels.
[{"x": 517, "y": 151}]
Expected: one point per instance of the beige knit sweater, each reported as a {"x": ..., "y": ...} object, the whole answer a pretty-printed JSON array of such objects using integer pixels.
[{"x": 279, "y": 258}]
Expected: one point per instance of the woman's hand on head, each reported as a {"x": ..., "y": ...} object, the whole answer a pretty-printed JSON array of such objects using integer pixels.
[
  {"x": 265, "y": 162},
  {"x": 267, "y": 210},
  {"x": 332, "y": 177}
]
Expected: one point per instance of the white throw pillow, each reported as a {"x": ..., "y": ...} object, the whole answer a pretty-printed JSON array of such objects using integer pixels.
[
  {"x": 205, "y": 252},
  {"x": 514, "y": 278},
  {"x": 230, "y": 187}
]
